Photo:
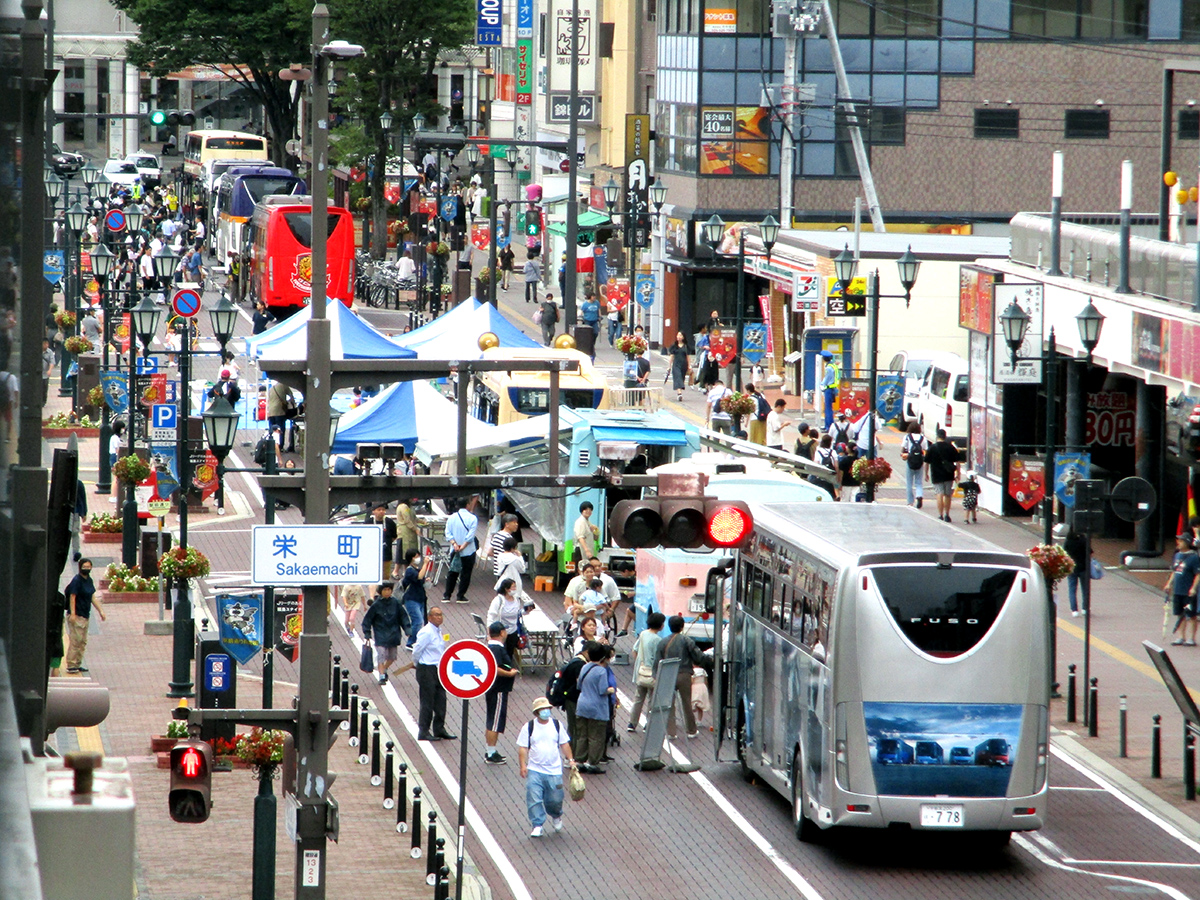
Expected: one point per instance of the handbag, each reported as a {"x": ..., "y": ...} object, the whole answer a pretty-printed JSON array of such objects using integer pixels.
[
  {"x": 455, "y": 562},
  {"x": 366, "y": 662},
  {"x": 522, "y": 634},
  {"x": 645, "y": 675},
  {"x": 537, "y": 316},
  {"x": 575, "y": 785},
  {"x": 1096, "y": 570}
]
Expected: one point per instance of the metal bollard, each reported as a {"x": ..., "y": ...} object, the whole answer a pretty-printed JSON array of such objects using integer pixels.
[
  {"x": 1156, "y": 748},
  {"x": 443, "y": 886},
  {"x": 439, "y": 857},
  {"x": 335, "y": 678},
  {"x": 389, "y": 778},
  {"x": 345, "y": 690},
  {"x": 430, "y": 841},
  {"x": 363, "y": 731},
  {"x": 1123, "y": 724},
  {"x": 402, "y": 806},
  {"x": 376, "y": 779},
  {"x": 352, "y": 722},
  {"x": 1071, "y": 692},
  {"x": 1189, "y": 764},
  {"x": 415, "y": 852},
  {"x": 1093, "y": 708}
]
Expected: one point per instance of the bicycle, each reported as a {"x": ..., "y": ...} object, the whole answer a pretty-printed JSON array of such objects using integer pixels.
[{"x": 441, "y": 559}]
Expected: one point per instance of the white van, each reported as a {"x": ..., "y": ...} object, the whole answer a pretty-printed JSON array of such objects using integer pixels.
[
  {"x": 942, "y": 398},
  {"x": 913, "y": 364}
]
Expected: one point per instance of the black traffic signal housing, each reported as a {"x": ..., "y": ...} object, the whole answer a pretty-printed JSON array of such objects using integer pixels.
[
  {"x": 1088, "y": 516},
  {"x": 690, "y": 522},
  {"x": 190, "y": 797},
  {"x": 533, "y": 221},
  {"x": 181, "y": 117}
]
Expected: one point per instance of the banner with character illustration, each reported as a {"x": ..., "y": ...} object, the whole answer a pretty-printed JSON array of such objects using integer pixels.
[
  {"x": 241, "y": 625},
  {"x": 1027, "y": 480}
]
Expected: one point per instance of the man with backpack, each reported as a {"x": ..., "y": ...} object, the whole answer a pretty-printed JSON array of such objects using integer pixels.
[
  {"x": 562, "y": 689},
  {"x": 942, "y": 458},
  {"x": 541, "y": 746},
  {"x": 913, "y": 451}
]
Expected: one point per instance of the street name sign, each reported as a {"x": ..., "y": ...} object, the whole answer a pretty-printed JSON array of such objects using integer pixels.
[{"x": 316, "y": 554}]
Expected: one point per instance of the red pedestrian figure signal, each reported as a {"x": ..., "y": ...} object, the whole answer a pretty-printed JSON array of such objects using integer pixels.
[{"x": 190, "y": 797}]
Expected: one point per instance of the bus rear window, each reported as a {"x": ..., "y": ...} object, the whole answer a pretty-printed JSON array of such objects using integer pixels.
[
  {"x": 536, "y": 401},
  {"x": 258, "y": 188},
  {"x": 300, "y": 224},
  {"x": 944, "y": 612}
]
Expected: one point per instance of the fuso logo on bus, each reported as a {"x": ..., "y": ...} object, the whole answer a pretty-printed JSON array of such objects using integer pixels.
[{"x": 302, "y": 274}]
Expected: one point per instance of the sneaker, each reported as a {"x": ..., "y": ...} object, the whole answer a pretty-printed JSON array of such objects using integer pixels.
[
  {"x": 1074, "y": 614},
  {"x": 83, "y": 669},
  {"x": 631, "y": 729},
  {"x": 462, "y": 600},
  {"x": 75, "y": 671},
  {"x": 1189, "y": 643},
  {"x": 495, "y": 759},
  {"x": 947, "y": 518},
  {"x": 1178, "y": 642},
  {"x": 537, "y": 831},
  {"x": 557, "y": 823},
  {"x": 623, "y": 632},
  {"x": 919, "y": 501},
  {"x": 383, "y": 678},
  {"x": 692, "y": 735}
]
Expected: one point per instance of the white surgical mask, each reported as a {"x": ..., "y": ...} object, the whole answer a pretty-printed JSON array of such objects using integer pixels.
[{"x": 544, "y": 715}]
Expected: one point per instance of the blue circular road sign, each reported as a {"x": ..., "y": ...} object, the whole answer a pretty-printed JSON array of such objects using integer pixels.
[
  {"x": 114, "y": 220},
  {"x": 186, "y": 302}
]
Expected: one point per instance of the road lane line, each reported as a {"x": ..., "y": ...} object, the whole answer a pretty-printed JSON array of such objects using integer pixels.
[
  {"x": 1119, "y": 655},
  {"x": 1127, "y": 800},
  {"x": 1029, "y": 847},
  {"x": 786, "y": 869},
  {"x": 483, "y": 834},
  {"x": 1133, "y": 863}
]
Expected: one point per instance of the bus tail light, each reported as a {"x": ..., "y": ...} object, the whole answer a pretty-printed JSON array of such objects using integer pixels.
[
  {"x": 858, "y": 807},
  {"x": 1025, "y": 811},
  {"x": 687, "y": 581},
  {"x": 841, "y": 759},
  {"x": 949, "y": 418}
]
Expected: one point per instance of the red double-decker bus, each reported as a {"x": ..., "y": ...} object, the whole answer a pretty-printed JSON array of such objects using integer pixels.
[{"x": 280, "y": 243}]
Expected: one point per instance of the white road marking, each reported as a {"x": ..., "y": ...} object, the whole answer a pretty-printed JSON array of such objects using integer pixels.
[
  {"x": 1128, "y": 801},
  {"x": 1134, "y": 863},
  {"x": 1030, "y": 847},
  {"x": 490, "y": 845},
  {"x": 726, "y": 807},
  {"x": 1063, "y": 787},
  {"x": 251, "y": 483}
]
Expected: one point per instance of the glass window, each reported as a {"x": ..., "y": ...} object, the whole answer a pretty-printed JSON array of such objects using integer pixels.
[
  {"x": 1086, "y": 124},
  {"x": 718, "y": 87},
  {"x": 921, "y": 90},
  {"x": 752, "y": 16},
  {"x": 1189, "y": 124},
  {"x": 777, "y": 52},
  {"x": 750, "y": 88},
  {"x": 922, "y": 56},
  {"x": 817, "y": 55},
  {"x": 860, "y": 87},
  {"x": 993, "y": 20},
  {"x": 816, "y": 159},
  {"x": 719, "y": 52},
  {"x": 889, "y": 56},
  {"x": 750, "y": 52},
  {"x": 785, "y": 621},
  {"x": 998, "y": 123},
  {"x": 887, "y": 125},
  {"x": 944, "y": 611},
  {"x": 957, "y": 17},
  {"x": 1191, "y": 20},
  {"x": 958, "y": 57},
  {"x": 856, "y": 55},
  {"x": 888, "y": 89},
  {"x": 820, "y": 125},
  {"x": 852, "y": 17}
]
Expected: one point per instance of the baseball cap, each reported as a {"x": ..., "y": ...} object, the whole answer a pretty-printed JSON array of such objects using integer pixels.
[
  {"x": 1185, "y": 537},
  {"x": 224, "y": 373},
  {"x": 826, "y": 354},
  {"x": 541, "y": 703},
  {"x": 841, "y": 415}
]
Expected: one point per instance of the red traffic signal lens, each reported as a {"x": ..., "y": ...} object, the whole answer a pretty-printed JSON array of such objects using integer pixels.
[
  {"x": 728, "y": 526},
  {"x": 191, "y": 763}
]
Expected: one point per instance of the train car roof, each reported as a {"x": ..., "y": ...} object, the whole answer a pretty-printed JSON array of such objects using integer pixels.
[{"x": 849, "y": 531}]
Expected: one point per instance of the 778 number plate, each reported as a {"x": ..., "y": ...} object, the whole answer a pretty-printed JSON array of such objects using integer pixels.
[{"x": 941, "y": 816}]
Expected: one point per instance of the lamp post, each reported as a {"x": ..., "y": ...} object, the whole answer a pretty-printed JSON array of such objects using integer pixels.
[
  {"x": 223, "y": 318},
  {"x": 473, "y": 156},
  {"x": 714, "y": 230},
  {"x": 658, "y": 196},
  {"x": 844, "y": 265},
  {"x": 76, "y": 217},
  {"x": 102, "y": 262},
  {"x": 1014, "y": 322},
  {"x": 612, "y": 192},
  {"x": 143, "y": 323}
]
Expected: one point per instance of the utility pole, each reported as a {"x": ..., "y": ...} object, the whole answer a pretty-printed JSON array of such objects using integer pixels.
[{"x": 570, "y": 307}]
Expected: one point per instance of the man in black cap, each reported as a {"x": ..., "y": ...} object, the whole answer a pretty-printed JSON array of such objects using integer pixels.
[
  {"x": 379, "y": 517},
  {"x": 1182, "y": 586}
]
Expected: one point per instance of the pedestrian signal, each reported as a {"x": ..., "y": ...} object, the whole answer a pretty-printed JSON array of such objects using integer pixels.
[{"x": 190, "y": 798}]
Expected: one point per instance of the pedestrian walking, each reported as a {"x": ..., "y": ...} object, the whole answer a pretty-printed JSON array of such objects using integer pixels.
[
  {"x": 912, "y": 451},
  {"x": 427, "y": 655},
  {"x": 775, "y": 425},
  {"x": 533, "y": 274},
  {"x": 548, "y": 319},
  {"x": 506, "y": 609},
  {"x": 970, "y": 489},
  {"x": 758, "y": 419},
  {"x": 413, "y": 587},
  {"x": 384, "y": 625},
  {"x": 460, "y": 532},
  {"x": 943, "y": 472},
  {"x": 645, "y": 664},
  {"x": 541, "y": 747},
  {"x": 81, "y": 597},
  {"x": 505, "y": 258},
  {"x": 408, "y": 533},
  {"x": 806, "y": 442},
  {"x": 1182, "y": 586},
  {"x": 496, "y": 698},
  {"x": 1075, "y": 546},
  {"x": 592, "y": 710},
  {"x": 353, "y": 598},
  {"x": 680, "y": 646},
  {"x": 679, "y": 365}
]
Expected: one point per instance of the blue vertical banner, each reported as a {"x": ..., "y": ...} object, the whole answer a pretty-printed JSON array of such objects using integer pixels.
[
  {"x": 1069, "y": 468},
  {"x": 889, "y": 396},
  {"x": 524, "y": 18},
  {"x": 53, "y": 262},
  {"x": 241, "y": 625},
  {"x": 644, "y": 290},
  {"x": 754, "y": 341},
  {"x": 488, "y": 23},
  {"x": 166, "y": 469},
  {"x": 116, "y": 391}
]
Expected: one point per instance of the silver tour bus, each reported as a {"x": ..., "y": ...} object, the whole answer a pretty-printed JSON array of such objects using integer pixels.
[{"x": 864, "y": 640}]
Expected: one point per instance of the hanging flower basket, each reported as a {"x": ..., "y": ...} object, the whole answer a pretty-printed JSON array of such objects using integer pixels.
[
  {"x": 441, "y": 249},
  {"x": 131, "y": 469},
  {"x": 262, "y": 750},
  {"x": 631, "y": 345},
  {"x": 179, "y": 563},
  {"x": 871, "y": 471},
  {"x": 1054, "y": 562},
  {"x": 65, "y": 319},
  {"x": 77, "y": 344},
  {"x": 484, "y": 276},
  {"x": 739, "y": 404},
  {"x": 95, "y": 396},
  {"x": 105, "y": 523},
  {"x": 446, "y": 289}
]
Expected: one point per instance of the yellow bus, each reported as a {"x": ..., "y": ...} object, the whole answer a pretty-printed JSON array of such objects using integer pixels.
[
  {"x": 502, "y": 397},
  {"x": 201, "y": 146}
]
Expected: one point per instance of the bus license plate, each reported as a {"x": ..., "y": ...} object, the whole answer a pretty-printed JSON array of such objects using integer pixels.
[{"x": 941, "y": 816}]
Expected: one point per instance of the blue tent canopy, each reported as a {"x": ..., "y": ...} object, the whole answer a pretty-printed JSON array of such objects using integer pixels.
[
  {"x": 350, "y": 337},
  {"x": 390, "y": 417},
  {"x": 458, "y": 332}
]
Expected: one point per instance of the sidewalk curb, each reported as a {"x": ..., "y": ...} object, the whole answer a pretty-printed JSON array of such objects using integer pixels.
[{"x": 1127, "y": 785}]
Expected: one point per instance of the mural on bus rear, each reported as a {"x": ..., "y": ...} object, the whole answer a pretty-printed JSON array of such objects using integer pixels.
[{"x": 947, "y": 749}]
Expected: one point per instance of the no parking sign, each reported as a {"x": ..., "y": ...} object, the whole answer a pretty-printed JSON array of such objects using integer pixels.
[{"x": 467, "y": 669}]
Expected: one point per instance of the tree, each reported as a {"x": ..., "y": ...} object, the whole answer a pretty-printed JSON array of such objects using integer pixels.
[
  {"x": 258, "y": 37},
  {"x": 402, "y": 39}
]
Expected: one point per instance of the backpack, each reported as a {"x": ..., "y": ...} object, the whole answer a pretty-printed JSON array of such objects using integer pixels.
[
  {"x": 260, "y": 451},
  {"x": 764, "y": 408},
  {"x": 529, "y": 728},
  {"x": 842, "y": 435},
  {"x": 562, "y": 687},
  {"x": 916, "y": 452}
]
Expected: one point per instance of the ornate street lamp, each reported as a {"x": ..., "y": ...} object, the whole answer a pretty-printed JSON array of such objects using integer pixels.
[
  {"x": 223, "y": 317},
  {"x": 908, "y": 266},
  {"x": 844, "y": 266},
  {"x": 713, "y": 229}
]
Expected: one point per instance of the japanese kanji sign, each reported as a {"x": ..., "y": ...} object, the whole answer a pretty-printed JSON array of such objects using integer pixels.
[{"x": 316, "y": 554}]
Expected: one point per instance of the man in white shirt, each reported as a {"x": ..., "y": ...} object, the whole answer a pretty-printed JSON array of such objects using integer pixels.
[
  {"x": 775, "y": 425},
  {"x": 584, "y": 533},
  {"x": 427, "y": 654},
  {"x": 405, "y": 267},
  {"x": 541, "y": 746},
  {"x": 718, "y": 419}
]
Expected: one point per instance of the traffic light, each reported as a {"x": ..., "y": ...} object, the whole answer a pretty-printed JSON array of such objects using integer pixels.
[
  {"x": 1088, "y": 517},
  {"x": 680, "y": 516},
  {"x": 190, "y": 798},
  {"x": 533, "y": 221},
  {"x": 181, "y": 117},
  {"x": 158, "y": 118}
]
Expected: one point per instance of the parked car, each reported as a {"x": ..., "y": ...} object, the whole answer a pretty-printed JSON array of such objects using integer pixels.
[
  {"x": 64, "y": 163},
  {"x": 961, "y": 756},
  {"x": 942, "y": 398},
  {"x": 119, "y": 171},
  {"x": 148, "y": 166},
  {"x": 914, "y": 364}
]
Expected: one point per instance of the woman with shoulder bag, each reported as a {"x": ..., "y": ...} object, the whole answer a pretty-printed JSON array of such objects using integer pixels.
[
  {"x": 645, "y": 656},
  {"x": 913, "y": 451},
  {"x": 506, "y": 609},
  {"x": 510, "y": 564}
]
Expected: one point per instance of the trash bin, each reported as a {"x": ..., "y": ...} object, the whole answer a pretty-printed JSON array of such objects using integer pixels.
[{"x": 585, "y": 339}]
